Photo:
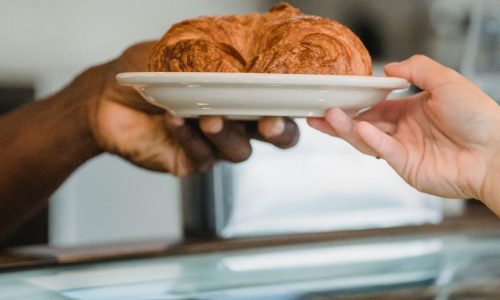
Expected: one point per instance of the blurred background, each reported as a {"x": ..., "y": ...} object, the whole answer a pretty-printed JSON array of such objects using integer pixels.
[{"x": 45, "y": 44}]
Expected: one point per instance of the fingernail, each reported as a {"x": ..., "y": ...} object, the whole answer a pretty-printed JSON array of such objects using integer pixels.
[
  {"x": 212, "y": 125},
  {"x": 278, "y": 127},
  {"x": 175, "y": 121},
  {"x": 393, "y": 64}
]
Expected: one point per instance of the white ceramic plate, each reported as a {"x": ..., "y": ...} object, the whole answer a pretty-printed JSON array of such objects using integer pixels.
[{"x": 249, "y": 95}]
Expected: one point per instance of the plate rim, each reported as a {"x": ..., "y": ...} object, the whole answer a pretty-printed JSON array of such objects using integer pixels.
[{"x": 304, "y": 80}]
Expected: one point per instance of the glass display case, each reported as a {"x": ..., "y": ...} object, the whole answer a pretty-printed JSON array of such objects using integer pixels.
[{"x": 424, "y": 266}]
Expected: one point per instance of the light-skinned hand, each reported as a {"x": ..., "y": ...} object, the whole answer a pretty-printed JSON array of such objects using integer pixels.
[{"x": 444, "y": 140}]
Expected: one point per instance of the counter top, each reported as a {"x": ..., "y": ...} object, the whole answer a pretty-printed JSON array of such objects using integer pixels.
[
  {"x": 411, "y": 266},
  {"x": 476, "y": 219}
]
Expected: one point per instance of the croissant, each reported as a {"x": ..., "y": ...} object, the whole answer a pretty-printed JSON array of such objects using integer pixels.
[{"x": 282, "y": 40}]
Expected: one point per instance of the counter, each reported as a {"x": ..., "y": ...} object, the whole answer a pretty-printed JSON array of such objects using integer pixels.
[{"x": 460, "y": 257}]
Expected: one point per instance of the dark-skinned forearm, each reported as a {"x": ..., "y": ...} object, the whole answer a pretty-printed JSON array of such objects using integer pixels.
[{"x": 41, "y": 144}]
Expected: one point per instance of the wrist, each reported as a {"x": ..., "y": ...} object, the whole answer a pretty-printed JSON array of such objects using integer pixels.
[
  {"x": 75, "y": 103},
  {"x": 489, "y": 193}
]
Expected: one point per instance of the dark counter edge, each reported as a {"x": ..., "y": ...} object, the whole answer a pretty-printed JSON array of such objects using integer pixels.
[{"x": 477, "y": 221}]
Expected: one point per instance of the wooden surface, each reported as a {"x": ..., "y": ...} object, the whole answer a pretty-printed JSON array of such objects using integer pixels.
[{"x": 476, "y": 219}]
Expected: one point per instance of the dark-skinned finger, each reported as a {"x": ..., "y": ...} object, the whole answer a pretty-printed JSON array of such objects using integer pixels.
[
  {"x": 228, "y": 138},
  {"x": 252, "y": 129},
  {"x": 280, "y": 131},
  {"x": 197, "y": 148}
]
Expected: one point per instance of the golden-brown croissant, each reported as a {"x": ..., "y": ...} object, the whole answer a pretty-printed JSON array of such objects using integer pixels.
[{"x": 280, "y": 41}]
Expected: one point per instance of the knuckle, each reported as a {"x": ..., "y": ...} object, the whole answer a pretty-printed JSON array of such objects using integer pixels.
[
  {"x": 182, "y": 172},
  {"x": 450, "y": 73},
  {"x": 241, "y": 156},
  {"x": 198, "y": 167},
  {"x": 203, "y": 162},
  {"x": 419, "y": 58},
  {"x": 207, "y": 165}
]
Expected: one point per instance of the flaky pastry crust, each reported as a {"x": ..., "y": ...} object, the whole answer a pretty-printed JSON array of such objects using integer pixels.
[{"x": 282, "y": 40}]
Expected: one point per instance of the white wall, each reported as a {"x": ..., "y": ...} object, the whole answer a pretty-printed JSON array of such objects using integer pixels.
[
  {"x": 40, "y": 36},
  {"x": 46, "y": 43}
]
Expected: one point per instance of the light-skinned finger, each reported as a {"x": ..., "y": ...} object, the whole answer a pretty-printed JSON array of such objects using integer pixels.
[
  {"x": 321, "y": 125},
  {"x": 384, "y": 145},
  {"x": 344, "y": 127},
  {"x": 423, "y": 72}
]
